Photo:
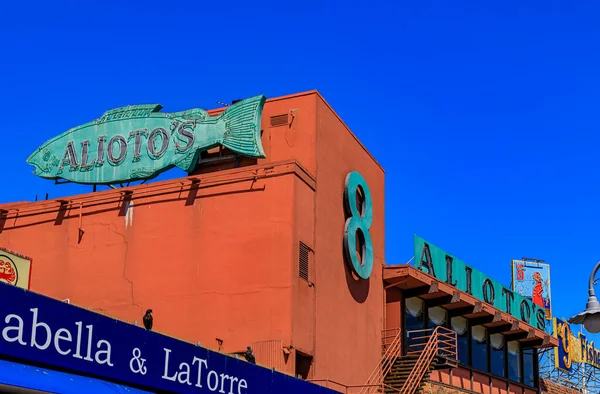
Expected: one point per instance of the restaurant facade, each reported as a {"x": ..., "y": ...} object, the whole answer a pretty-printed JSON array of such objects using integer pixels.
[{"x": 274, "y": 241}]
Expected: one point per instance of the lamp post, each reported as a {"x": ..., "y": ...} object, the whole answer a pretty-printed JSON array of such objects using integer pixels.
[{"x": 590, "y": 318}]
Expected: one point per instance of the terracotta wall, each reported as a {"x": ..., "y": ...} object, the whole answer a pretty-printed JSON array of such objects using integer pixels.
[
  {"x": 349, "y": 311},
  {"x": 294, "y": 140},
  {"x": 460, "y": 380},
  {"x": 441, "y": 376},
  {"x": 304, "y": 301},
  {"x": 221, "y": 260},
  {"x": 393, "y": 314},
  {"x": 269, "y": 354},
  {"x": 297, "y": 139},
  {"x": 214, "y": 266}
]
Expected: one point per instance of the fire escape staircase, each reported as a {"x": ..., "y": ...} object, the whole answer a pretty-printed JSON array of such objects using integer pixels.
[{"x": 427, "y": 350}]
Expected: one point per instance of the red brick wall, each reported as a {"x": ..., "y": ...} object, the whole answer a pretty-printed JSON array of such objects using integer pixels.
[
  {"x": 548, "y": 387},
  {"x": 436, "y": 388}
]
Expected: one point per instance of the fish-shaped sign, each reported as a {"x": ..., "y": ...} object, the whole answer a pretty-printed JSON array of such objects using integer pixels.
[{"x": 139, "y": 142}]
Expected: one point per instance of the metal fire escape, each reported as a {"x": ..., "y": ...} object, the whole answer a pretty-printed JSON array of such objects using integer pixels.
[{"x": 426, "y": 350}]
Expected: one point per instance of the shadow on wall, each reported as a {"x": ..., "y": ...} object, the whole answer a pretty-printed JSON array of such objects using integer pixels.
[{"x": 359, "y": 288}]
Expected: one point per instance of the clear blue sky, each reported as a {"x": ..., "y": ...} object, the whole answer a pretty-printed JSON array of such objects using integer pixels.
[{"x": 484, "y": 114}]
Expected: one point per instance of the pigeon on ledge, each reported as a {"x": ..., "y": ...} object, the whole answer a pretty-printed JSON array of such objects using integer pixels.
[
  {"x": 148, "y": 319},
  {"x": 249, "y": 355}
]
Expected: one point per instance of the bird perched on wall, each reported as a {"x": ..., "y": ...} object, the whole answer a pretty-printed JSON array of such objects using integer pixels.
[
  {"x": 249, "y": 355},
  {"x": 148, "y": 319}
]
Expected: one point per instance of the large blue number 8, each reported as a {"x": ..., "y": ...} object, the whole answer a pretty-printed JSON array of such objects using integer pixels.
[{"x": 356, "y": 233}]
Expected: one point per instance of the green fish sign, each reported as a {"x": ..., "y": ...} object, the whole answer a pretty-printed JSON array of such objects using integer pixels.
[{"x": 139, "y": 142}]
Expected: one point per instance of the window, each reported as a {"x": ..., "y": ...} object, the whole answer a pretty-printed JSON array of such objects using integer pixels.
[
  {"x": 514, "y": 361},
  {"x": 528, "y": 367},
  {"x": 461, "y": 326},
  {"x": 414, "y": 318},
  {"x": 436, "y": 316},
  {"x": 479, "y": 348},
  {"x": 476, "y": 346},
  {"x": 497, "y": 354}
]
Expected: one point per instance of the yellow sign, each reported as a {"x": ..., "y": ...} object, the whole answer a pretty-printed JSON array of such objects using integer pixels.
[
  {"x": 573, "y": 349},
  {"x": 15, "y": 269}
]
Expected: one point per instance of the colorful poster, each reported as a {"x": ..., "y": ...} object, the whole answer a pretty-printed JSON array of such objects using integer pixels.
[
  {"x": 532, "y": 280},
  {"x": 15, "y": 269}
]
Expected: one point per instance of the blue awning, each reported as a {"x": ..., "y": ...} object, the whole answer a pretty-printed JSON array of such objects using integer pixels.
[{"x": 30, "y": 377}]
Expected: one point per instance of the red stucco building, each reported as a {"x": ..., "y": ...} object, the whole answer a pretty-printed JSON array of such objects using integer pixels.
[{"x": 250, "y": 252}]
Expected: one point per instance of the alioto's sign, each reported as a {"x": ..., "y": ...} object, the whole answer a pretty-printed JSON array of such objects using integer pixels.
[
  {"x": 139, "y": 142},
  {"x": 573, "y": 349},
  {"x": 39, "y": 330},
  {"x": 436, "y": 262}
]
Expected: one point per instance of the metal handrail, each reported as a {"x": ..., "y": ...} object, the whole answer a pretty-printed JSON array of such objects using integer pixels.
[
  {"x": 430, "y": 350},
  {"x": 387, "y": 335},
  {"x": 391, "y": 354}
]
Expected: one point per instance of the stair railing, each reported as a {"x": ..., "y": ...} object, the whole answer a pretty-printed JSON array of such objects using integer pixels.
[
  {"x": 392, "y": 350},
  {"x": 441, "y": 342}
]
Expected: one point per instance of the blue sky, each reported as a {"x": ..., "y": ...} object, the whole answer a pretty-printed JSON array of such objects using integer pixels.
[{"x": 484, "y": 115}]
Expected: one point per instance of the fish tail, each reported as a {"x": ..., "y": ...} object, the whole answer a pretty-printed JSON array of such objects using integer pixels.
[{"x": 242, "y": 127}]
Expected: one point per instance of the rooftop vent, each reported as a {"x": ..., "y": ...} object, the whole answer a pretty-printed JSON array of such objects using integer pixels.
[
  {"x": 303, "y": 257},
  {"x": 279, "y": 120}
]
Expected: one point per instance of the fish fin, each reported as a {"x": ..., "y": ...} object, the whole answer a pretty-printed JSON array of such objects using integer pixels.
[
  {"x": 189, "y": 114},
  {"x": 130, "y": 111},
  {"x": 195, "y": 114},
  {"x": 242, "y": 127},
  {"x": 141, "y": 173}
]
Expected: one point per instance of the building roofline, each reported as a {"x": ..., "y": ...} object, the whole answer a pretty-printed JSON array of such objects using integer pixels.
[
  {"x": 218, "y": 110},
  {"x": 175, "y": 185},
  {"x": 349, "y": 130},
  {"x": 212, "y": 112},
  {"x": 315, "y": 92}
]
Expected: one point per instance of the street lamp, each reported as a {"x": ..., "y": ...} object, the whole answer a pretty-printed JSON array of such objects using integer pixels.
[{"x": 590, "y": 318}]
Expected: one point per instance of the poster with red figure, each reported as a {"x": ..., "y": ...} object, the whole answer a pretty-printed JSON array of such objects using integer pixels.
[{"x": 531, "y": 279}]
